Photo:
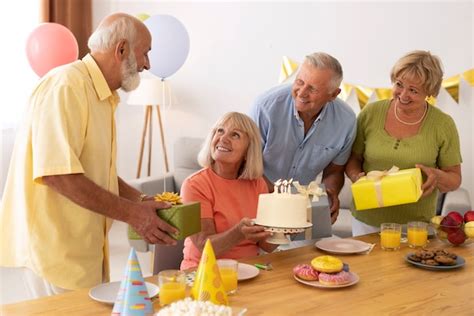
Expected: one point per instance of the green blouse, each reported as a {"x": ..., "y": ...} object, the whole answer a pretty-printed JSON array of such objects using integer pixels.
[{"x": 436, "y": 145}]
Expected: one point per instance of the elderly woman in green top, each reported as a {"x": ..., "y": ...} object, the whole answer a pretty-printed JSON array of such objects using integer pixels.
[{"x": 407, "y": 132}]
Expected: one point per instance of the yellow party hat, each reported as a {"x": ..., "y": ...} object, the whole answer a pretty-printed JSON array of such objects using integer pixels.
[{"x": 208, "y": 284}]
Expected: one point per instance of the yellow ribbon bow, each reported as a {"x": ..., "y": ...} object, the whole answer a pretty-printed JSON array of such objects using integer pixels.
[
  {"x": 170, "y": 197},
  {"x": 377, "y": 176},
  {"x": 311, "y": 189}
]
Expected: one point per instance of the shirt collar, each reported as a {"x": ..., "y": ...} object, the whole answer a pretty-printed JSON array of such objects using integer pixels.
[
  {"x": 100, "y": 84},
  {"x": 320, "y": 117}
]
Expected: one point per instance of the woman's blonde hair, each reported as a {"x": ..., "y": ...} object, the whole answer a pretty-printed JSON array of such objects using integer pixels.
[
  {"x": 422, "y": 65},
  {"x": 252, "y": 166}
]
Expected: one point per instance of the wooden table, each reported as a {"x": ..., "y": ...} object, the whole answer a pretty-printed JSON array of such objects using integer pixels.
[{"x": 388, "y": 285}]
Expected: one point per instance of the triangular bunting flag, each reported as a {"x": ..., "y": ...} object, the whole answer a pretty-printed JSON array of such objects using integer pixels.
[
  {"x": 363, "y": 95},
  {"x": 452, "y": 86},
  {"x": 345, "y": 91},
  {"x": 469, "y": 76},
  {"x": 288, "y": 67},
  {"x": 383, "y": 93},
  {"x": 142, "y": 16},
  {"x": 133, "y": 298},
  {"x": 208, "y": 284}
]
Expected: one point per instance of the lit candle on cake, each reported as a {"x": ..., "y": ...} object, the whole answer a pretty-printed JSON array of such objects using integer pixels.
[
  {"x": 288, "y": 189},
  {"x": 285, "y": 183},
  {"x": 276, "y": 185}
]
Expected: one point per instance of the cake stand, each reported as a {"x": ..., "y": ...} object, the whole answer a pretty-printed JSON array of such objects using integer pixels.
[{"x": 280, "y": 234}]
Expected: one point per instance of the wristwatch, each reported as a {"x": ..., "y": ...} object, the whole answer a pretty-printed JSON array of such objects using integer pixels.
[{"x": 142, "y": 197}]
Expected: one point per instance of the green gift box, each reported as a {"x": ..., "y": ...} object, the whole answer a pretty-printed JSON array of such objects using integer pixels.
[{"x": 185, "y": 217}]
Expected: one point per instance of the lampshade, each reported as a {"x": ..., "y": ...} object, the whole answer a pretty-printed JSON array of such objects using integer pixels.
[{"x": 149, "y": 92}]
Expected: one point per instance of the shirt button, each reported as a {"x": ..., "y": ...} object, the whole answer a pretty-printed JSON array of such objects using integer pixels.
[{"x": 293, "y": 167}]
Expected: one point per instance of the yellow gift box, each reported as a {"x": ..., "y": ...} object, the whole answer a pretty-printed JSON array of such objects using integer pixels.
[{"x": 387, "y": 188}]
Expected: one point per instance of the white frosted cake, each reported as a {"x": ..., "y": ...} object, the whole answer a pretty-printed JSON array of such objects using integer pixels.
[{"x": 283, "y": 210}]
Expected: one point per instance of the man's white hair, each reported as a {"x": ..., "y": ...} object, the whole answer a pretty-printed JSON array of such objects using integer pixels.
[
  {"x": 107, "y": 36},
  {"x": 322, "y": 60}
]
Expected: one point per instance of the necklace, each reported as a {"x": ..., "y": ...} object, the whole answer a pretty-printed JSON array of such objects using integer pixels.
[{"x": 395, "y": 110}]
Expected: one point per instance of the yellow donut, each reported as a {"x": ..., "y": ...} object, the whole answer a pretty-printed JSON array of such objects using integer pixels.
[{"x": 327, "y": 264}]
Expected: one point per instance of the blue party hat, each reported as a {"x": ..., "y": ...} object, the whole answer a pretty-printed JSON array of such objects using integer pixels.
[{"x": 133, "y": 298}]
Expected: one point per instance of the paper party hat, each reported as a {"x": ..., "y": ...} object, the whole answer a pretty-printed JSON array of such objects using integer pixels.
[
  {"x": 208, "y": 284},
  {"x": 133, "y": 298}
]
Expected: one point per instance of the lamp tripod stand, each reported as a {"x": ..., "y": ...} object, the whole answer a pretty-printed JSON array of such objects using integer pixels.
[{"x": 147, "y": 127}]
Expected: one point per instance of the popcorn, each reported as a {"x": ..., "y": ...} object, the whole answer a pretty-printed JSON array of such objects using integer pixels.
[{"x": 188, "y": 307}]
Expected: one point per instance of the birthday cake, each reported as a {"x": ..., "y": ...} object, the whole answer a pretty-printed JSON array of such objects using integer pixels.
[{"x": 282, "y": 208}]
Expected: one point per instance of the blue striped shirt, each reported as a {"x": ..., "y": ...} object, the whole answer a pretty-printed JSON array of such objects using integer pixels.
[{"x": 287, "y": 152}]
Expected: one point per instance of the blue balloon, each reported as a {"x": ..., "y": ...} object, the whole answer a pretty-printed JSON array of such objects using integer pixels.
[{"x": 170, "y": 44}]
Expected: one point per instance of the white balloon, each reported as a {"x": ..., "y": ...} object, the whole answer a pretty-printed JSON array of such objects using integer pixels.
[{"x": 170, "y": 44}]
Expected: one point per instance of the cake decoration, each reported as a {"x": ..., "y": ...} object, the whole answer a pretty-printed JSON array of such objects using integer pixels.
[{"x": 282, "y": 186}]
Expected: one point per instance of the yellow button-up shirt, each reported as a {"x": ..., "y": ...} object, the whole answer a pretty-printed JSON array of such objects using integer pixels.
[{"x": 69, "y": 129}]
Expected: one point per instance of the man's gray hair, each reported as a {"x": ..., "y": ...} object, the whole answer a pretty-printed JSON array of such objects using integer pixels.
[
  {"x": 325, "y": 61},
  {"x": 107, "y": 36}
]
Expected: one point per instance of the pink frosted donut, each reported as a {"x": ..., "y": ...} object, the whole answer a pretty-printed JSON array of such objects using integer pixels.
[
  {"x": 339, "y": 278},
  {"x": 305, "y": 272}
]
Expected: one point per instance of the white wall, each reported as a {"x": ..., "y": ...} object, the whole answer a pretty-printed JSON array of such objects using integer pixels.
[{"x": 236, "y": 51}]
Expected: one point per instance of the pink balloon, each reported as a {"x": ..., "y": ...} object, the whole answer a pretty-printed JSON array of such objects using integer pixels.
[{"x": 50, "y": 45}]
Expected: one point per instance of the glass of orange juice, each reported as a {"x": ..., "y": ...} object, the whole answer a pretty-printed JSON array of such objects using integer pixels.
[
  {"x": 172, "y": 285},
  {"x": 390, "y": 235},
  {"x": 417, "y": 234},
  {"x": 228, "y": 269}
]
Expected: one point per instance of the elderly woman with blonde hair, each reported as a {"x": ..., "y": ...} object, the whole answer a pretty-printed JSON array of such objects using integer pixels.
[
  {"x": 407, "y": 132},
  {"x": 227, "y": 188}
]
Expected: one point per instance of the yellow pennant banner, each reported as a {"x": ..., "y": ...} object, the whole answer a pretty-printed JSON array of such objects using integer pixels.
[
  {"x": 451, "y": 85},
  {"x": 288, "y": 67}
]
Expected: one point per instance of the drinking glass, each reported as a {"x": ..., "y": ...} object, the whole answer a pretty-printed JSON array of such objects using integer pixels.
[
  {"x": 172, "y": 285},
  {"x": 390, "y": 235},
  {"x": 228, "y": 269},
  {"x": 417, "y": 234}
]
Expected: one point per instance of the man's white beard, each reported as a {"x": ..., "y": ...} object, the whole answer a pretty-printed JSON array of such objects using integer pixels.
[{"x": 130, "y": 75}]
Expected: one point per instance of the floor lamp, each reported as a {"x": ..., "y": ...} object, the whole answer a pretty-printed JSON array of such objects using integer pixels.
[{"x": 150, "y": 93}]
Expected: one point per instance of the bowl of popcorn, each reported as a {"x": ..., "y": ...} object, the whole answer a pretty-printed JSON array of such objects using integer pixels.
[{"x": 188, "y": 307}]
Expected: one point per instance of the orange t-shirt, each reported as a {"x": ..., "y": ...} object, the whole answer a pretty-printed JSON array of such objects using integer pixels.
[{"x": 226, "y": 202}]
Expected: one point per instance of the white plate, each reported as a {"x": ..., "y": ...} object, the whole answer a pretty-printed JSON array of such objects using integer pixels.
[
  {"x": 246, "y": 271},
  {"x": 342, "y": 246},
  {"x": 354, "y": 278},
  {"x": 107, "y": 292}
]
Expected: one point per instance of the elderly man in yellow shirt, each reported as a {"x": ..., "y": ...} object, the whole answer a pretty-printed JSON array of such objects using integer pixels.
[{"x": 62, "y": 190}]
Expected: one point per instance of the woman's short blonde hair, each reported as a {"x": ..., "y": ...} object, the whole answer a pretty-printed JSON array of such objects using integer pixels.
[
  {"x": 421, "y": 65},
  {"x": 252, "y": 167}
]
